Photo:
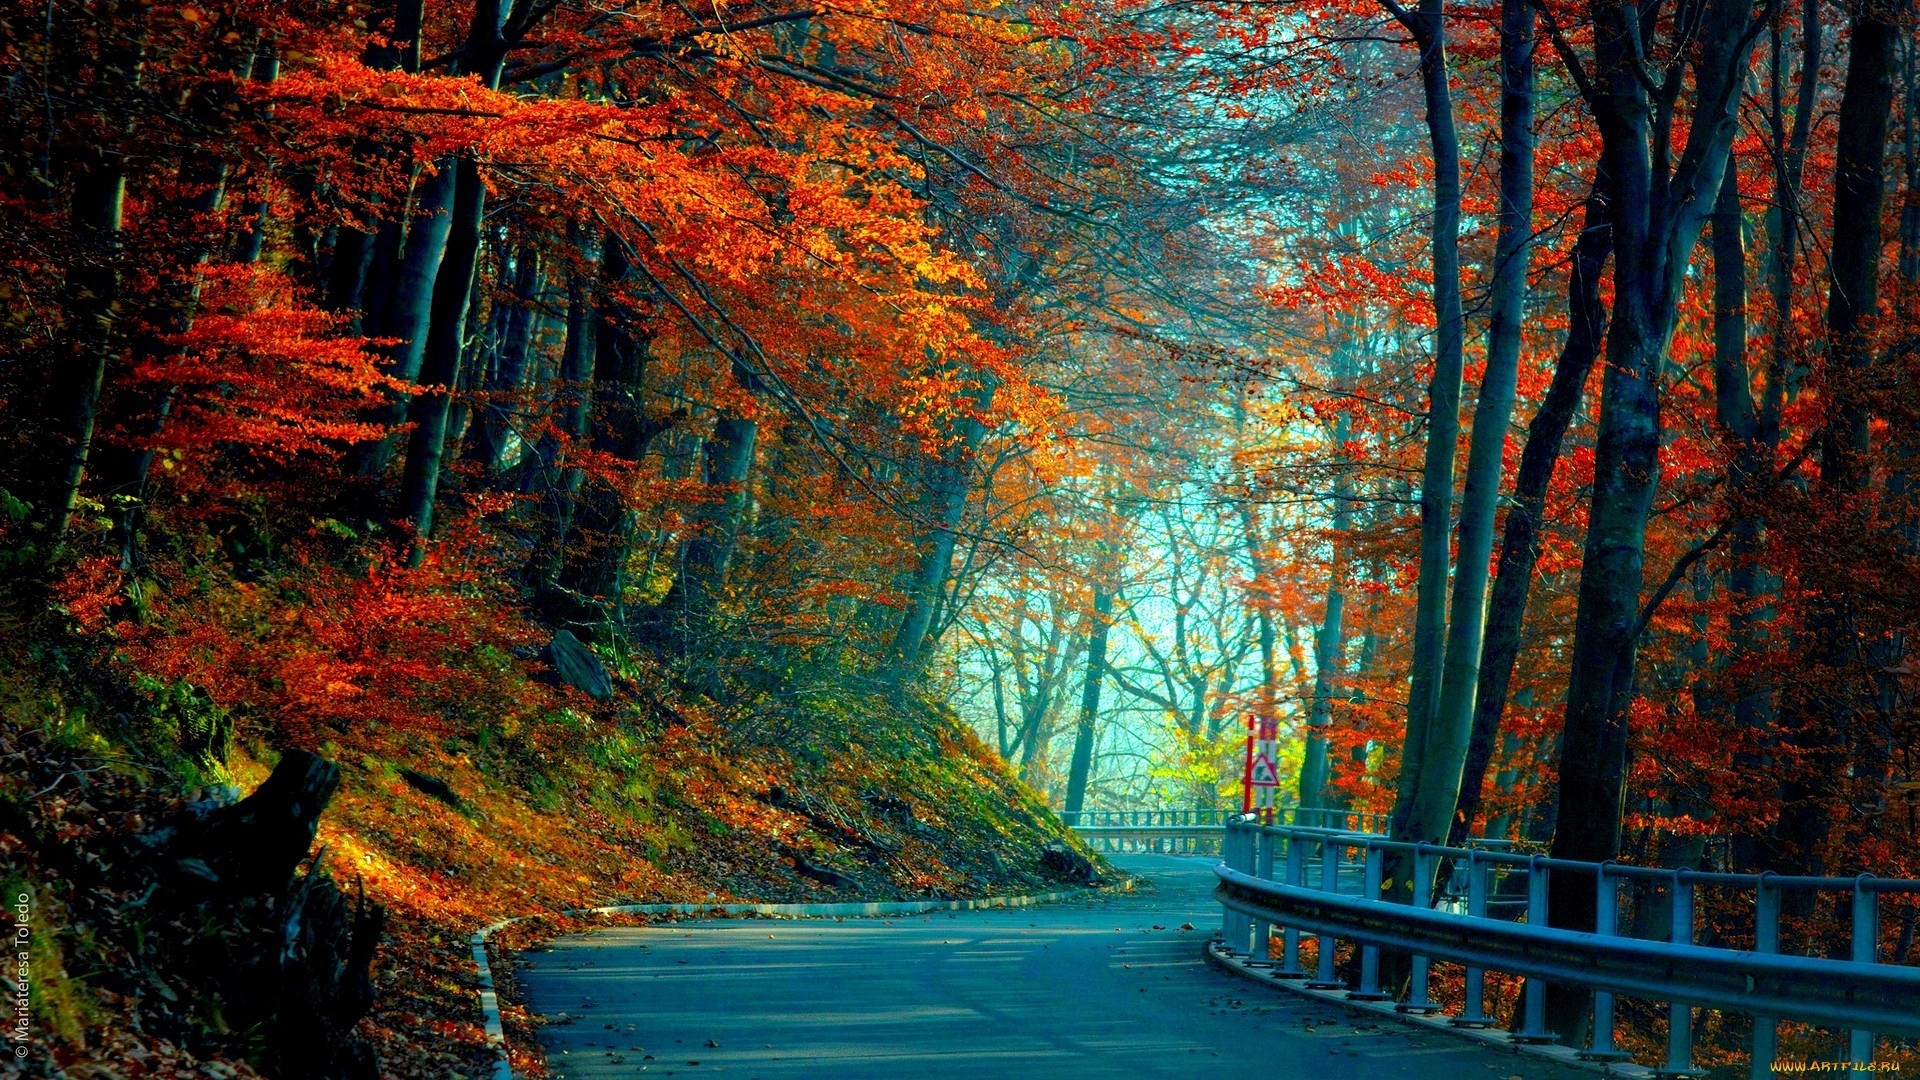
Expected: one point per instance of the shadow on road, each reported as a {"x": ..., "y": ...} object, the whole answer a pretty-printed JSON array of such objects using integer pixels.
[{"x": 1108, "y": 989}]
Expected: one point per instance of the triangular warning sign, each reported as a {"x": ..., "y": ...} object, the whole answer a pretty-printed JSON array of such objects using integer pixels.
[{"x": 1263, "y": 774}]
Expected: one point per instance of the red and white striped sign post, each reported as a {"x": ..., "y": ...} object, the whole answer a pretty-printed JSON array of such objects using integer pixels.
[{"x": 1246, "y": 773}]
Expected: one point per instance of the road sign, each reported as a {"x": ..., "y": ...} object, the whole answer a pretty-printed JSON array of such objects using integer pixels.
[{"x": 1263, "y": 774}]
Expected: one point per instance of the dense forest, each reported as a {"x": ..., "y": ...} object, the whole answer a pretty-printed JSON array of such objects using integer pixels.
[{"x": 722, "y": 431}]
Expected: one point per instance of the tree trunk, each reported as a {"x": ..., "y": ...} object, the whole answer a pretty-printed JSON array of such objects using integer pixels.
[
  {"x": 1752, "y": 430},
  {"x": 484, "y": 57},
  {"x": 1328, "y": 639},
  {"x": 139, "y": 415},
  {"x": 1910, "y": 204},
  {"x": 1450, "y": 730},
  {"x": 953, "y": 481},
  {"x": 500, "y": 417},
  {"x": 1260, "y": 590},
  {"x": 1443, "y": 412},
  {"x": 402, "y": 48},
  {"x": 557, "y": 484},
  {"x": 1335, "y": 797},
  {"x": 1825, "y": 714},
  {"x": 1264, "y": 625},
  {"x": 709, "y": 551},
  {"x": 621, "y": 429},
  {"x": 1520, "y": 536},
  {"x": 90, "y": 309},
  {"x": 1751, "y": 440},
  {"x": 1082, "y": 767},
  {"x": 1326, "y": 655},
  {"x": 360, "y": 278},
  {"x": 479, "y": 352},
  {"x": 266, "y": 69},
  {"x": 440, "y": 370},
  {"x": 1853, "y": 296},
  {"x": 1789, "y": 162},
  {"x": 1657, "y": 220},
  {"x": 353, "y": 257},
  {"x": 120, "y": 471},
  {"x": 408, "y": 312}
]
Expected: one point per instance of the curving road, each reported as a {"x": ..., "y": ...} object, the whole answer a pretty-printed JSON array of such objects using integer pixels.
[{"x": 1105, "y": 990}]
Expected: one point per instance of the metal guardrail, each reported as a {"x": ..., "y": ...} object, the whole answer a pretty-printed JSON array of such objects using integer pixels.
[
  {"x": 1163, "y": 832},
  {"x": 1118, "y": 818},
  {"x": 1157, "y": 839},
  {"x": 1191, "y": 831},
  {"x": 1858, "y": 995},
  {"x": 1355, "y": 820}
]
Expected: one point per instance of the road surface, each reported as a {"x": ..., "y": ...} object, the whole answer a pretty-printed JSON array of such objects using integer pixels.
[{"x": 1104, "y": 990}]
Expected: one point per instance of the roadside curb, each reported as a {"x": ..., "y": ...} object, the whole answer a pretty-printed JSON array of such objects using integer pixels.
[
  {"x": 1217, "y": 955},
  {"x": 490, "y": 1000}
]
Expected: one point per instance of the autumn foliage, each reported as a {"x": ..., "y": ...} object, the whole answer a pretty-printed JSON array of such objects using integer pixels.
[{"x": 1117, "y": 371}]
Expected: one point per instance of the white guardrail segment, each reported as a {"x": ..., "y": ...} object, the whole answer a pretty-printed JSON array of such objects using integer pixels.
[
  {"x": 1330, "y": 885},
  {"x": 1189, "y": 832},
  {"x": 1356, "y": 820},
  {"x": 1158, "y": 839}
]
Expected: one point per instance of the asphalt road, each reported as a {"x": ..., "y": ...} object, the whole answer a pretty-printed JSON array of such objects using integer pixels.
[{"x": 1089, "y": 991}]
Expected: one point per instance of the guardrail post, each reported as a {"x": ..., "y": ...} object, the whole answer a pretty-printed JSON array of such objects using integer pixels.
[
  {"x": 1422, "y": 898},
  {"x": 1246, "y": 854},
  {"x": 1476, "y": 1008},
  {"x": 1680, "y": 1013},
  {"x": 1866, "y": 947},
  {"x": 1323, "y": 978},
  {"x": 1290, "y": 936},
  {"x": 1262, "y": 869},
  {"x": 1533, "y": 1028},
  {"x": 1233, "y": 925},
  {"x": 1606, "y": 910},
  {"x": 1766, "y": 939},
  {"x": 1370, "y": 954}
]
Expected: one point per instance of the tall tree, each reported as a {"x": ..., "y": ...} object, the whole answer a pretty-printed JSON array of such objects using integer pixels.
[
  {"x": 602, "y": 520},
  {"x": 1526, "y": 516},
  {"x": 1328, "y": 638},
  {"x": 1427, "y": 24},
  {"x": 1659, "y": 207},
  {"x": 407, "y": 312},
  {"x": 1449, "y": 731},
  {"x": 556, "y": 481},
  {"x": 500, "y": 422},
  {"x": 1828, "y": 711},
  {"x": 493, "y": 30},
  {"x": 91, "y": 308},
  {"x": 1080, "y": 770},
  {"x": 726, "y": 460},
  {"x": 950, "y": 479}
]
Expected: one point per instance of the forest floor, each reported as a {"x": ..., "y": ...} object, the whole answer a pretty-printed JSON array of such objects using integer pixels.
[{"x": 841, "y": 792}]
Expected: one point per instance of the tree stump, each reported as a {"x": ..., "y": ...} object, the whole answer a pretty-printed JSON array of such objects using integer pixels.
[{"x": 284, "y": 951}]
